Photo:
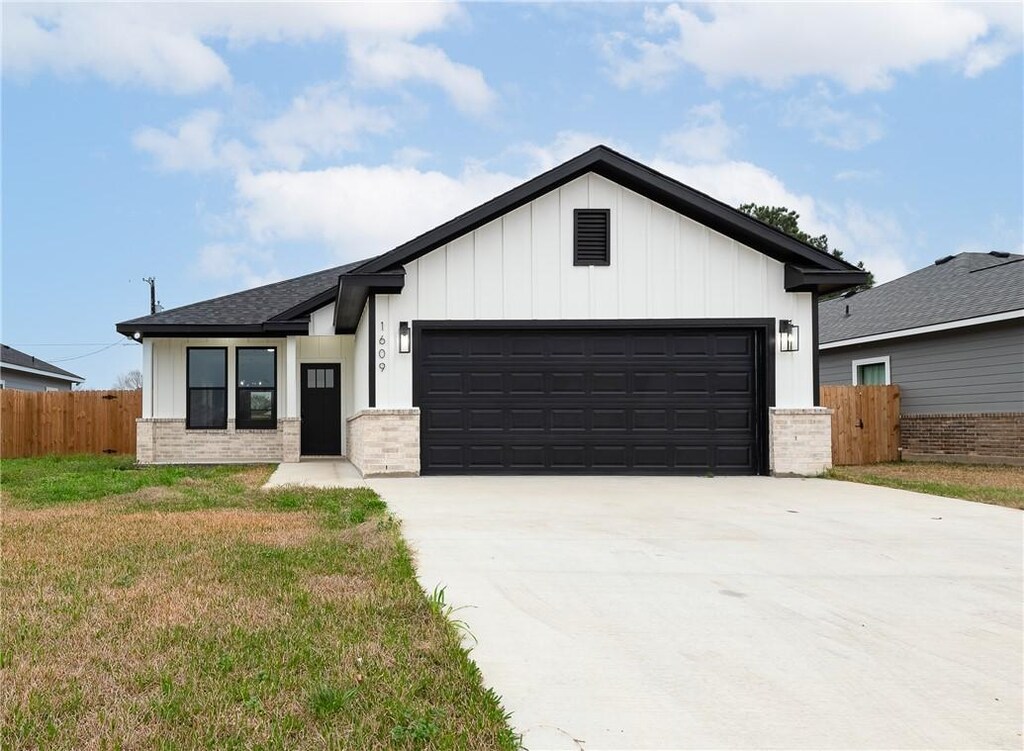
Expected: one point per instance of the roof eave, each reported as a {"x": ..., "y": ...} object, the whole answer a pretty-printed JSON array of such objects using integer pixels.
[
  {"x": 138, "y": 332},
  {"x": 799, "y": 279},
  {"x": 353, "y": 291}
]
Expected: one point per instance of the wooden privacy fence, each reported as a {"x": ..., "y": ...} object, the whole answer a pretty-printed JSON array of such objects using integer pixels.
[
  {"x": 865, "y": 423},
  {"x": 36, "y": 423}
]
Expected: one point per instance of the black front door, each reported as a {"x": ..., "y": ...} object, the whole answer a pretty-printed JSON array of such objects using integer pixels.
[{"x": 321, "y": 410}]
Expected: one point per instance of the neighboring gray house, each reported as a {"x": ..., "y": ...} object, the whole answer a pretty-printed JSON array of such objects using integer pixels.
[
  {"x": 600, "y": 318},
  {"x": 27, "y": 373},
  {"x": 952, "y": 337}
]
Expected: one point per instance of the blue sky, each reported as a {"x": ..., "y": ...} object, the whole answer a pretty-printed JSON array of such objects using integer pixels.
[{"x": 220, "y": 146}]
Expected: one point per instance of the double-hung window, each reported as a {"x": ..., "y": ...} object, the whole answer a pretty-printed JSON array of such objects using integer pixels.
[
  {"x": 872, "y": 371},
  {"x": 206, "y": 384},
  {"x": 256, "y": 397}
]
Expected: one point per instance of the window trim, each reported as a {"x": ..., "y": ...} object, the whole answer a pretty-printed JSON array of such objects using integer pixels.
[
  {"x": 239, "y": 425},
  {"x": 189, "y": 387},
  {"x": 854, "y": 364},
  {"x": 607, "y": 238}
]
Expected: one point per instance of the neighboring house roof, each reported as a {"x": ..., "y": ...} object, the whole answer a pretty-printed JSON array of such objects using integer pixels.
[
  {"x": 17, "y": 360},
  {"x": 284, "y": 307},
  {"x": 273, "y": 307},
  {"x": 954, "y": 290}
]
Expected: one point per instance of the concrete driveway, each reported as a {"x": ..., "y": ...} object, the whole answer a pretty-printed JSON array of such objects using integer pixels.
[{"x": 643, "y": 613}]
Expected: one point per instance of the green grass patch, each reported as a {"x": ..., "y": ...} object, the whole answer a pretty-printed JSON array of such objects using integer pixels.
[
  {"x": 994, "y": 484},
  {"x": 53, "y": 480},
  {"x": 206, "y": 613}
]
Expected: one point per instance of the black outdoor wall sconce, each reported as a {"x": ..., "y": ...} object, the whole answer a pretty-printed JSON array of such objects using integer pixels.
[{"x": 789, "y": 336}]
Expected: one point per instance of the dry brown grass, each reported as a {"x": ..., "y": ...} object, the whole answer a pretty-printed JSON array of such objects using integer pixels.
[
  {"x": 996, "y": 484},
  {"x": 128, "y": 624}
]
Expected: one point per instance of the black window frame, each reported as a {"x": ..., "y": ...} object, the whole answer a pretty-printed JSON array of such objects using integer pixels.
[
  {"x": 189, "y": 388},
  {"x": 239, "y": 389},
  {"x": 576, "y": 260}
]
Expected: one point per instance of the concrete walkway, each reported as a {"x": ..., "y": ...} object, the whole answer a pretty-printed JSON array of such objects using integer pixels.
[
  {"x": 670, "y": 613},
  {"x": 316, "y": 473}
]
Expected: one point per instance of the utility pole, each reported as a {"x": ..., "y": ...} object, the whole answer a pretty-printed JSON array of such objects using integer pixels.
[{"x": 151, "y": 281}]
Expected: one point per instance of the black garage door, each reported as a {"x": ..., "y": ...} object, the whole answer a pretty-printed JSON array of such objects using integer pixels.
[{"x": 589, "y": 399}]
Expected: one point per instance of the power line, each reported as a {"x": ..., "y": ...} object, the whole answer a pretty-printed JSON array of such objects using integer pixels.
[
  {"x": 90, "y": 354},
  {"x": 58, "y": 344}
]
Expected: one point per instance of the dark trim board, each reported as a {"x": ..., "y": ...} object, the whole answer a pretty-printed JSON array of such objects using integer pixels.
[
  {"x": 242, "y": 424},
  {"x": 188, "y": 390},
  {"x": 763, "y": 330},
  {"x": 815, "y": 352},
  {"x": 371, "y": 354}
]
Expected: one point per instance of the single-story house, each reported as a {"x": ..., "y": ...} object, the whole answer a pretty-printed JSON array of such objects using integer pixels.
[
  {"x": 24, "y": 372},
  {"x": 951, "y": 335},
  {"x": 600, "y": 318}
]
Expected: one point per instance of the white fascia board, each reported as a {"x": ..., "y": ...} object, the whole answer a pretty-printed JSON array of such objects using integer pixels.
[
  {"x": 34, "y": 371},
  {"x": 962, "y": 323}
]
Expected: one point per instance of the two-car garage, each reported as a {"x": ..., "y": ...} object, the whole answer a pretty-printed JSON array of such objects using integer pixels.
[{"x": 601, "y": 397}]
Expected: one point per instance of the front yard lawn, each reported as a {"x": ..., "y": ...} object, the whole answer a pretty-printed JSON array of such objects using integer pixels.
[
  {"x": 183, "y": 607},
  {"x": 996, "y": 484}
]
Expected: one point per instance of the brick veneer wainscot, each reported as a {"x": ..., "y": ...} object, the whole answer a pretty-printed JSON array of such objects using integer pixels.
[
  {"x": 167, "y": 441},
  {"x": 385, "y": 442},
  {"x": 800, "y": 440},
  {"x": 994, "y": 435}
]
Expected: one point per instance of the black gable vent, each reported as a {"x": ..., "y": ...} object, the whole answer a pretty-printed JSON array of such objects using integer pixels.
[
  {"x": 944, "y": 259},
  {"x": 591, "y": 237}
]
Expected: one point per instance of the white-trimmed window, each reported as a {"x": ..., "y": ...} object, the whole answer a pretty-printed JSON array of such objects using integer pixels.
[{"x": 871, "y": 371}]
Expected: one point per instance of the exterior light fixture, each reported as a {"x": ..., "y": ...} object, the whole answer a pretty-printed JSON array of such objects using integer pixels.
[
  {"x": 789, "y": 336},
  {"x": 137, "y": 336},
  {"x": 404, "y": 338}
]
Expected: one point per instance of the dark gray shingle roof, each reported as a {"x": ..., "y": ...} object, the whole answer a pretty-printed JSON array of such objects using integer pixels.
[
  {"x": 11, "y": 356},
  {"x": 250, "y": 307},
  {"x": 966, "y": 286}
]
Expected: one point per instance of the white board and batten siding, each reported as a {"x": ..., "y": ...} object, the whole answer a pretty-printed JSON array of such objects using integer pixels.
[{"x": 520, "y": 267}]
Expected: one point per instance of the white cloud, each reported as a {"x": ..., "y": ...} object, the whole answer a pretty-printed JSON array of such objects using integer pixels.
[
  {"x": 875, "y": 237},
  {"x": 359, "y": 210},
  {"x": 565, "y": 145},
  {"x": 167, "y": 46},
  {"x": 860, "y": 45},
  {"x": 321, "y": 122},
  {"x": 121, "y": 43},
  {"x": 392, "y": 61},
  {"x": 192, "y": 146},
  {"x": 229, "y": 261},
  {"x": 705, "y": 136},
  {"x": 849, "y": 175},
  {"x": 840, "y": 129}
]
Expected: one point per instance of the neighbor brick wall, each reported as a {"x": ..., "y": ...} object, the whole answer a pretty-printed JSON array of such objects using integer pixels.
[
  {"x": 166, "y": 441},
  {"x": 800, "y": 440},
  {"x": 385, "y": 442},
  {"x": 999, "y": 435}
]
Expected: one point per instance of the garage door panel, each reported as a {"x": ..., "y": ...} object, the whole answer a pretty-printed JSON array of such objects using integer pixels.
[
  {"x": 440, "y": 419},
  {"x": 568, "y": 419},
  {"x": 588, "y": 400},
  {"x": 734, "y": 420},
  {"x": 569, "y": 456},
  {"x": 486, "y": 419},
  {"x": 527, "y": 419},
  {"x": 609, "y": 419}
]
